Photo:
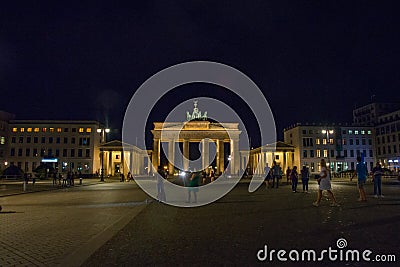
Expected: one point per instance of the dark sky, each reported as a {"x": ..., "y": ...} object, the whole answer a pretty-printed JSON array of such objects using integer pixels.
[{"x": 313, "y": 60}]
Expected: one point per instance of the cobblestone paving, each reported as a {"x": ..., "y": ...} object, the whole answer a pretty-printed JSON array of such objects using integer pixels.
[
  {"x": 10, "y": 188},
  {"x": 230, "y": 231},
  {"x": 43, "y": 229}
]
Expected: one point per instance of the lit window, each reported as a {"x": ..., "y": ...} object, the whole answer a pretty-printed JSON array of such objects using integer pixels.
[
  {"x": 59, "y": 130},
  {"x": 22, "y": 130},
  {"x": 362, "y": 132},
  {"x": 317, "y": 141},
  {"x": 81, "y": 130},
  {"x": 36, "y": 130},
  {"x": 369, "y": 131},
  {"x": 350, "y": 131},
  {"x": 356, "y": 132},
  {"x": 44, "y": 130},
  {"x": 2, "y": 140},
  {"x": 88, "y": 130},
  {"x": 318, "y": 153},
  {"x": 325, "y": 153},
  {"x": 331, "y": 141},
  {"x": 15, "y": 130},
  {"x": 324, "y": 141},
  {"x": 29, "y": 130},
  {"x": 51, "y": 130}
]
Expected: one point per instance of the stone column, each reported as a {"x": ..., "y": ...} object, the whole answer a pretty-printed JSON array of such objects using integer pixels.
[
  {"x": 122, "y": 165},
  {"x": 131, "y": 161},
  {"x": 234, "y": 156},
  {"x": 110, "y": 163},
  {"x": 205, "y": 154},
  {"x": 140, "y": 158},
  {"x": 285, "y": 165},
  {"x": 185, "y": 155},
  {"x": 220, "y": 156},
  {"x": 149, "y": 166},
  {"x": 155, "y": 156},
  {"x": 269, "y": 159},
  {"x": 171, "y": 156},
  {"x": 138, "y": 163}
]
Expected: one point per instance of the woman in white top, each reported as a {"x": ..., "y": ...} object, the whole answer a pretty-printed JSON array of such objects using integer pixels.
[{"x": 324, "y": 183}]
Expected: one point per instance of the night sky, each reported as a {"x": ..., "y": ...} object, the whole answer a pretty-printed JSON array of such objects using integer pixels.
[{"x": 313, "y": 60}]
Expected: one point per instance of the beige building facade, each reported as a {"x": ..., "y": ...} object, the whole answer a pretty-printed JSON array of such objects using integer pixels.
[
  {"x": 205, "y": 132},
  {"x": 67, "y": 145},
  {"x": 118, "y": 158},
  {"x": 338, "y": 144},
  {"x": 283, "y": 154}
]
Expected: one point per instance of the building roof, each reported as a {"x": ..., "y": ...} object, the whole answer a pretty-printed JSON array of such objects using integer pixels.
[
  {"x": 118, "y": 145},
  {"x": 5, "y": 116},
  {"x": 340, "y": 124},
  {"x": 54, "y": 122},
  {"x": 277, "y": 146}
]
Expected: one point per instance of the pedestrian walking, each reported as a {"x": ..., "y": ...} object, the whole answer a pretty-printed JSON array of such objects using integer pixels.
[
  {"x": 305, "y": 176},
  {"x": 193, "y": 186},
  {"x": 122, "y": 178},
  {"x": 204, "y": 176},
  {"x": 377, "y": 173},
  {"x": 161, "y": 176},
  {"x": 26, "y": 178},
  {"x": 54, "y": 178},
  {"x": 60, "y": 176},
  {"x": 212, "y": 176},
  {"x": 267, "y": 174},
  {"x": 73, "y": 176},
  {"x": 276, "y": 173},
  {"x": 294, "y": 177},
  {"x": 33, "y": 179},
  {"x": 68, "y": 179},
  {"x": 324, "y": 183},
  {"x": 361, "y": 172},
  {"x": 288, "y": 172},
  {"x": 129, "y": 177}
]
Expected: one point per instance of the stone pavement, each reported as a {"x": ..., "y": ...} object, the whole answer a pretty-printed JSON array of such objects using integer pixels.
[
  {"x": 9, "y": 188},
  {"x": 109, "y": 221},
  {"x": 232, "y": 230},
  {"x": 63, "y": 227}
]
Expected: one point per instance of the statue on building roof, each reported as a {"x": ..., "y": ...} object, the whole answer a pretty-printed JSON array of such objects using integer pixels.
[{"x": 196, "y": 114}]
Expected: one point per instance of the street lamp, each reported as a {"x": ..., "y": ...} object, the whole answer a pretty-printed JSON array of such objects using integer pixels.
[
  {"x": 102, "y": 132},
  {"x": 328, "y": 132}
]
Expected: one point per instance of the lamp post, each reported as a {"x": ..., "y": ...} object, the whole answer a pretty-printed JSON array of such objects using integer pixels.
[
  {"x": 102, "y": 132},
  {"x": 328, "y": 132}
]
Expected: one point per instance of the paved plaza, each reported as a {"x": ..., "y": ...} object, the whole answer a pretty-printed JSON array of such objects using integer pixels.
[
  {"x": 64, "y": 226},
  {"x": 115, "y": 224}
]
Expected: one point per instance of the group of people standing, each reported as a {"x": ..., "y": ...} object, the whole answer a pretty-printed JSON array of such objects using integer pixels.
[
  {"x": 67, "y": 179},
  {"x": 193, "y": 185},
  {"x": 274, "y": 174},
  {"x": 129, "y": 177}
]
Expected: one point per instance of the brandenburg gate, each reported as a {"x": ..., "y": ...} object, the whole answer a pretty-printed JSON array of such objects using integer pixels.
[{"x": 197, "y": 129}]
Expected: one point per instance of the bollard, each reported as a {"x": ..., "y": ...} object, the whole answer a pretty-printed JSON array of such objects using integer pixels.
[
  {"x": 80, "y": 181},
  {"x": 24, "y": 186}
]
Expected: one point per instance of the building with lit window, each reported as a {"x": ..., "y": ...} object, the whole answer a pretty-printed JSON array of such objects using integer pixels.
[
  {"x": 5, "y": 117},
  {"x": 339, "y": 144},
  {"x": 78, "y": 146},
  {"x": 388, "y": 140},
  {"x": 67, "y": 145},
  {"x": 370, "y": 113}
]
